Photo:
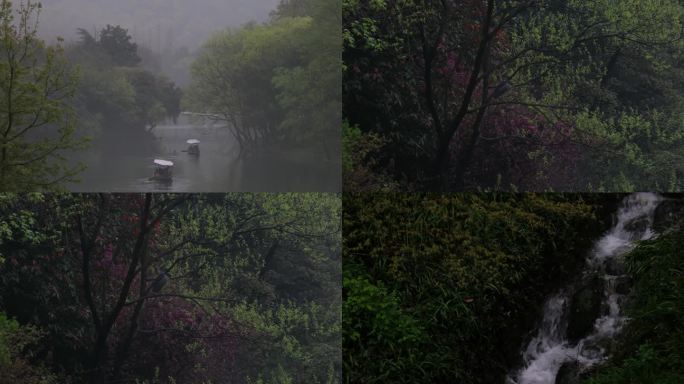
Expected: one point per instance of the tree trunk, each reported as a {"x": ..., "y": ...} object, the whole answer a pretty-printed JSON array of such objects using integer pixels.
[
  {"x": 98, "y": 375},
  {"x": 124, "y": 347},
  {"x": 440, "y": 178}
]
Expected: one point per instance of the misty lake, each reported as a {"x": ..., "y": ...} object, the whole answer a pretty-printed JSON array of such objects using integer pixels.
[{"x": 119, "y": 162}]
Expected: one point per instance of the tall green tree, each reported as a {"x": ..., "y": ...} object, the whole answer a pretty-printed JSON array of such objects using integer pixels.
[
  {"x": 311, "y": 93},
  {"x": 116, "y": 41},
  {"x": 233, "y": 78},
  {"x": 277, "y": 83},
  {"x": 37, "y": 121},
  {"x": 114, "y": 91}
]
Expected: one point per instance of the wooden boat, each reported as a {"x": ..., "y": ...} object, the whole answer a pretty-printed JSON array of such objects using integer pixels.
[
  {"x": 163, "y": 170},
  {"x": 193, "y": 147}
]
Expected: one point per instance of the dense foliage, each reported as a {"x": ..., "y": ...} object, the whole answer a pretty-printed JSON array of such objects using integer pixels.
[
  {"x": 17, "y": 363},
  {"x": 277, "y": 83},
  {"x": 36, "y": 89},
  {"x": 115, "y": 93},
  {"x": 440, "y": 288},
  {"x": 238, "y": 288},
  {"x": 534, "y": 94}
]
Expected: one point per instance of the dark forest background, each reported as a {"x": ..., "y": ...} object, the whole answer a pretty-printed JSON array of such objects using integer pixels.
[
  {"x": 241, "y": 288},
  {"x": 513, "y": 94}
]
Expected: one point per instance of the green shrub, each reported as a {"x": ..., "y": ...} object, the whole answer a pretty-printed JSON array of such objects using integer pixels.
[
  {"x": 17, "y": 343},
  {"x": 359, "y": 167},
  {"x": 378, "y": 328},
  {"x": 438, "y": 288}
]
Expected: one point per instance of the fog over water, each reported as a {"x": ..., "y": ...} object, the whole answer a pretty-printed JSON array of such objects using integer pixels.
[
  {"x": 169, "y": 34},
  {"x": 126, "y": 164}
]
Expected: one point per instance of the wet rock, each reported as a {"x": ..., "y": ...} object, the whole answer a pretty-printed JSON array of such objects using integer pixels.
[
  {"x": 585, "y": 308},
  {"x": 638, "y": 225},
  {"x": 591, "y": 351},
  {"x": 668, "y": 213},
  {"x": 622, "y": 285},
  {"x": 623, "y": 302},
  {"x": 615, "y": 266},
  {"x": 569, "y": 373}
]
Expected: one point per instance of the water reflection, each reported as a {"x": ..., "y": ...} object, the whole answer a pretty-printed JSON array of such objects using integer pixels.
[{"x": 121, "y": 161}]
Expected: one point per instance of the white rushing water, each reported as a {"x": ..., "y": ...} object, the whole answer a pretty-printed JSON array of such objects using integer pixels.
[{"x": 550, "y": 348}]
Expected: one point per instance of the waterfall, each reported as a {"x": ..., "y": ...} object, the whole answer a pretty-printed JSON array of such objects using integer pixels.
[{"x": 551, "y": 348}]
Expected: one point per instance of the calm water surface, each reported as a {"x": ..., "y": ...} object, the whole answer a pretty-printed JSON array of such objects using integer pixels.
[{"x": 118, "y": 162}]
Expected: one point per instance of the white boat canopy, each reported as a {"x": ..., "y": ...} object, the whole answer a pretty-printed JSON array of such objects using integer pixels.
[
  {"x": 193, "y": 141},
  {"x": 163, "y": 163}
]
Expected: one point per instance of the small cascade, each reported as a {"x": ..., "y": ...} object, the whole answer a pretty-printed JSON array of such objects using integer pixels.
[{"x": 555, "y": 346}]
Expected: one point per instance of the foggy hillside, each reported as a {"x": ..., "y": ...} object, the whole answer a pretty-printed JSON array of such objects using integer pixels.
[{"x": 158, "y": 24}]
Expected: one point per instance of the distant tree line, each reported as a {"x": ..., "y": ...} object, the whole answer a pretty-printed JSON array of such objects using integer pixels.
[{"x": 114, "y": 91}]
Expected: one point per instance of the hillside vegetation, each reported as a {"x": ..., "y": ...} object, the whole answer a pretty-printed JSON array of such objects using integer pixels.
[{"x": 442, "y": 288}]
